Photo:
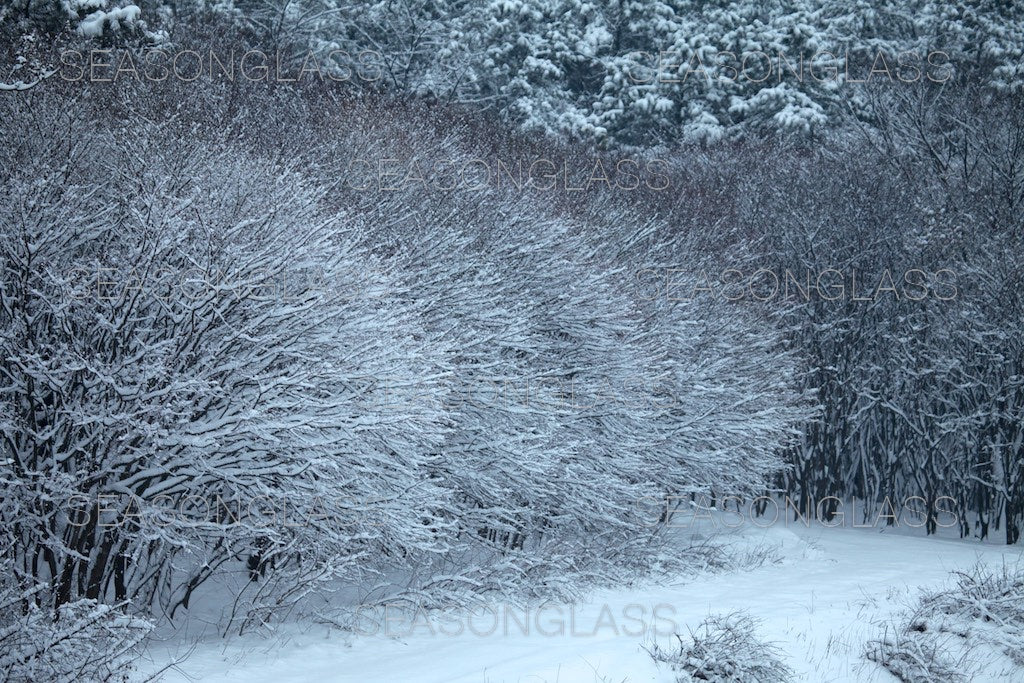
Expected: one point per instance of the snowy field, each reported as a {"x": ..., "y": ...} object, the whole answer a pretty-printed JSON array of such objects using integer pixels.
[{"x": 828, "y": 592}]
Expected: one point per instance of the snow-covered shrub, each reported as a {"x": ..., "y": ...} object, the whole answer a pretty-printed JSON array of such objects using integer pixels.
[
  {"x": 913, "y": 657},
  {"x": 585, "y": 397},
  {"x": 81, "y": 641},
  {"x": 187, "y": 377},
  {"x": 946, "y": 634},
  {"x": 983, "y": 593},
  {"x": 724, "y": 648},
  {"x": 459, "y": 393}
]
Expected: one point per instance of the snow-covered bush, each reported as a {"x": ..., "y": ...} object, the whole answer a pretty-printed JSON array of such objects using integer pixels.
[
  {"x": 430, "y": 394},
  {"x": 586, "y": 397},
  {"x": 950, "y": 633},
  {"x": 724, "y": 648},
  {"x": 984, "y": 593},
  {"x": 82, "y": 641},
  {"x": 186, "y": 375},
  {"x": 915, "y": 658}
]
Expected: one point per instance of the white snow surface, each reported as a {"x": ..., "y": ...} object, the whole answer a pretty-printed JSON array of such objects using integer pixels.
[{"x": 831, "y": 591}]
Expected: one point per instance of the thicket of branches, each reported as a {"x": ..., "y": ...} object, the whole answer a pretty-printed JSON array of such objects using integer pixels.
[
  {"x": 922, "y": 393},
  {"x": 224, "y": 361}
]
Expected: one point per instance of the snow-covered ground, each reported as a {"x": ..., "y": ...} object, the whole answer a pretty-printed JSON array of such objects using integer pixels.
[{"x": 832, "y": 590}]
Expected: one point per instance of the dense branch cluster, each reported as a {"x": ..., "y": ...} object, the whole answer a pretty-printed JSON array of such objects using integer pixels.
[{"x": 223, "y": 363}]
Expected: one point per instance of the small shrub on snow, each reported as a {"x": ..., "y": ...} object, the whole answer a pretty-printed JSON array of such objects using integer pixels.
[
  {"x": 982, "y": 607},
  {"x": 992, "y": 600},
  {"x": 914, "y": 656},
  {"x": 990, "y": 595},
  {"x": 724, "y": 648}
]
